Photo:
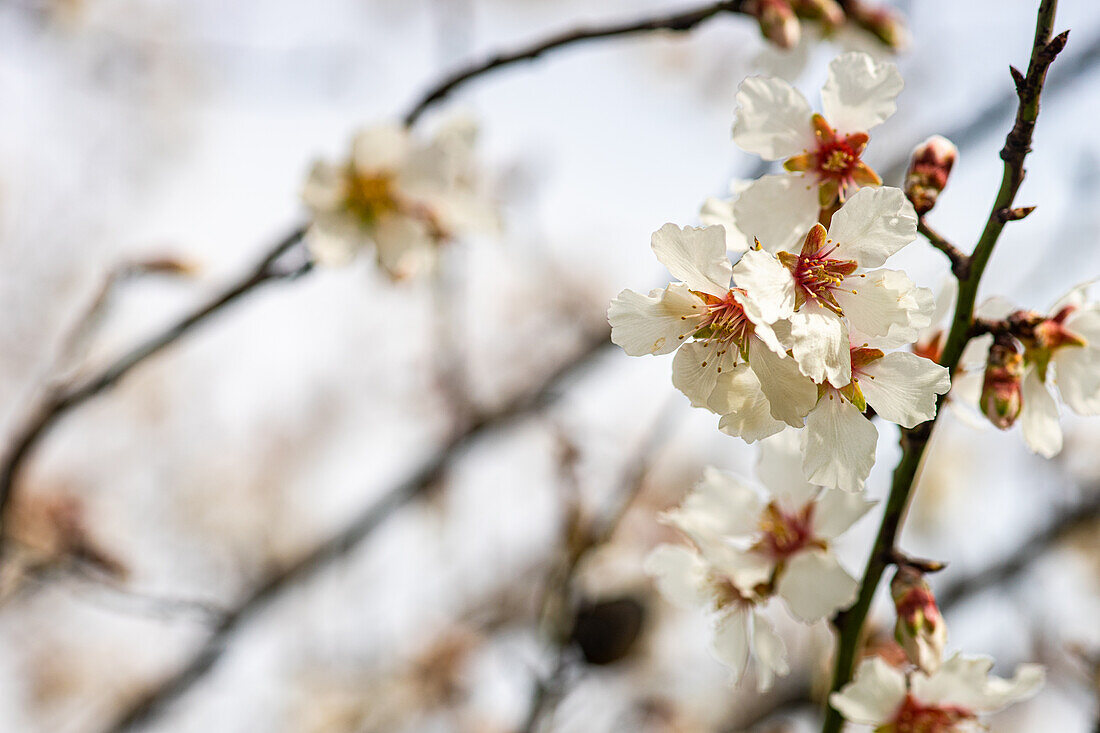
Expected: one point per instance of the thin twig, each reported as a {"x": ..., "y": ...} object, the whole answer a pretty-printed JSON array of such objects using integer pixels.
[
  {"x": 960, "y": 262},
  {"x": 682, "y": 21},
  {"x": 849, "y": 623},
  {"x": 361, "y": 526},
  {"x": 58, "y": 403},
  {"x": 580, "y": 541}
]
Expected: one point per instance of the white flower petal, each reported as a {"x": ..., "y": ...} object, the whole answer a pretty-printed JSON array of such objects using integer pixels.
[
  {"x": 778, "y": 210},
  {"x": 779, "y": 469},
  {"x": 772, "y": 119},
  {"x": 680, "y": 575},
  {"x": 966, "y": 682},
  {"x": 325, "y": 187},
  {"x": 1077, "y": 374},
  {"x": 745, "y": 411},
  {"x": 697, "y": 257},
  {"x": 860, "y": 92},
  {"x": 819, "y": 343},
  {"x": 884, "y": 303},
  {"x": 719, "y": 212},
  {"x": 695, "y": 370},
  {"x": 873, "y": 224},
  {"x": 838, "y": 444},
  {"x": 404, "y": 245},
  {"x": 815, "y": 586},
  {"x": 732, "y": 639},
  {"x": 719, "y": 506},
  {"x": 380, "y": 149},
  {"x": 875, "y": 694},
  {"x": 654, "y": 323},
  {"x": 334, "y": 240},
  {"x": 1039, "y": 417},
  {"x": 838, "y": 510},
  {"x": 791, "y": 395},
  {"x": 770, "y": 653},
  {"x": 768, "y": 285},
  {"x": 902, "y": 387}
]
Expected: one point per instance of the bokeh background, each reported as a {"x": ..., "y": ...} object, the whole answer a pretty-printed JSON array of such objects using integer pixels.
[{"x": 156, "y": 524}]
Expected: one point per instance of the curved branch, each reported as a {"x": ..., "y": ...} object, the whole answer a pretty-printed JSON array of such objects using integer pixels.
[
  {"x": 62, "y": 401},
  {"x": 682, "y": 21},
  {"x": 849, "y": 624},
  {"x": 960, "y": 262}
]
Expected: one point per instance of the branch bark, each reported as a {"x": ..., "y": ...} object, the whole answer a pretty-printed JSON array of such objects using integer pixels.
[
  {"x": 960, "y": 262},
  {"x": 849, "y": 623}
]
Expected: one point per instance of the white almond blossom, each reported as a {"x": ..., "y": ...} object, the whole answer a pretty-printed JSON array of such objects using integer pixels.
[
  {"x": 750, "y": 545},
  {"x": 823, "y": 153},
  {"x": 838, "y": 442},
  {"x": 716, "y": 331},
  {"x": 397, "y": 195},
  {"x": 1061, "y": 355},
  {"x": 830, "y": 287},
  {"x": 950, "y": 700}
]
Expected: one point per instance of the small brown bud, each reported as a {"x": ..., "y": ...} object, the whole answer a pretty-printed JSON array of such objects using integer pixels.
[
  {"x": 929, "y": 168},
  {"x": 1002, "y": 394},
  {"x": 883, "y": 23},
  {"x": 920, "y": 628},
  {"x": 778, "y": 22},
  {"x": 827, "y": 12}
]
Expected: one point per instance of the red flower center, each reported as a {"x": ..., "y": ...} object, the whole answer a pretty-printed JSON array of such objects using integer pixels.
[
  {"x": 784, "y": 533},
  {"x": 914, "y": 717}
]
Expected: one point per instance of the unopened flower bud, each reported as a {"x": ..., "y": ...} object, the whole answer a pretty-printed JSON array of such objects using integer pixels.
[
  {"x": 885, "y": 24},
  {"x": 929, "y": 168},
  {"x": 920, "y": 628},
  {"x": 827, "y": 12},
  {"x": 1002, "y": 395},
  {"x": 778, "y": 22}
]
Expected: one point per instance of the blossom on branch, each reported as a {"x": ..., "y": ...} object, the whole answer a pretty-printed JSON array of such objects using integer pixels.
[
  {"x": 1032, "y": 358},
  {"x": 751, "y": 545},
  {"x": 401, "y": 196},
  {"x": 831, "y": 288},
  {"x": 823, "y": 153},
  {"x": 948, "y": 700},
  {"x": 717, "y": 332}
]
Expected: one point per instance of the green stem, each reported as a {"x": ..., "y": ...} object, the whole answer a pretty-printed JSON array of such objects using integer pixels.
[{"x": 849, "y": 623}]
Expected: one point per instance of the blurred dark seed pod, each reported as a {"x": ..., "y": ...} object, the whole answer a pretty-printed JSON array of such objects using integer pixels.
[{"x": 607, "y": 630}]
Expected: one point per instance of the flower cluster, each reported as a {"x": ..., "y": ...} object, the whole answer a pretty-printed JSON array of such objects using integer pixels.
[
  {"x": 800, "y": 331},
  {"x": 926, "y": 694},
  {"x": 1013, "y": 373},
  {"x": 397, "y": 195},
  {"x": 751, "y": 545}
]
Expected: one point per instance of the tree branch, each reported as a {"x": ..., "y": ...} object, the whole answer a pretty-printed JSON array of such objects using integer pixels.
[
  {"x": 63, "y": 400},
  {"x": 682, "y": 21},
  {"x": 324, "y": 554},
  {"x": 849, "y": 624},
  {"x": 960, "y": 262}
]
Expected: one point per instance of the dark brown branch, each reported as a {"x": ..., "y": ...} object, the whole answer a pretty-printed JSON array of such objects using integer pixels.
[
  {"x": 358, "y": 529},
  {"x": 60, "y": 402},
  {"x": 960, "y": 262},
  {"x": 682, "y": 21}
]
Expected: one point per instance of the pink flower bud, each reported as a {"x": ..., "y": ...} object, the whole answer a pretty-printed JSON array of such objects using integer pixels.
[
  {"x": 920, "y": 628},
  {"x": 929, "y": 168},
  {"x": 827, "y": 12},
  {"x": 777, "y": 21},
  {"x": 885, "y": 24},
  {"x": 1002, "y": 396}
]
